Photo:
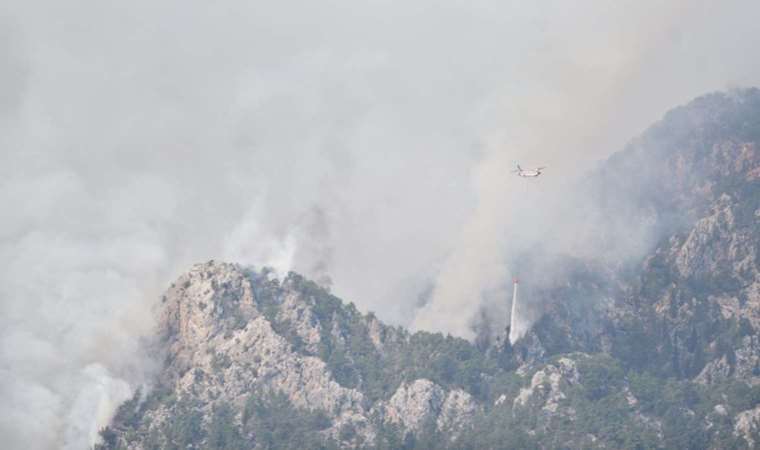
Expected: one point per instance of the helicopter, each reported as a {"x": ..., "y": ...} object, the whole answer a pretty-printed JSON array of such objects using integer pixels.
[{"x": 528, "y": 173}]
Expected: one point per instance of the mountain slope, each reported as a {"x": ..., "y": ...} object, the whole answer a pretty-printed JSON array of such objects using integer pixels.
[{"x": 656, "y": 350}]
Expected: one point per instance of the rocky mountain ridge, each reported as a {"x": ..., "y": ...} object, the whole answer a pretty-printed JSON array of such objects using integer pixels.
[
  {"x": 659, "y": 352},
  {"x": 229, "y": 332}
]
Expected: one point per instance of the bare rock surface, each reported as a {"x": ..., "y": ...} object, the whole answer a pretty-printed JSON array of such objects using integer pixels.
[{"x": 747, "y": 426}]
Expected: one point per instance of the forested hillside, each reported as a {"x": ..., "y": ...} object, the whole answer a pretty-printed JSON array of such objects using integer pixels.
[{"x": 662, "y": 351}]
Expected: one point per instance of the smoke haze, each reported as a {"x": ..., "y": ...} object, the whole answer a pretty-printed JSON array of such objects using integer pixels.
[{"x": 366, "y": 145}]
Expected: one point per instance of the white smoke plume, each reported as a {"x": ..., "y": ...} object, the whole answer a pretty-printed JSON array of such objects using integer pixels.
[
  {"x": 365, "y": 142},
  {"x": 578, "y": 98}
]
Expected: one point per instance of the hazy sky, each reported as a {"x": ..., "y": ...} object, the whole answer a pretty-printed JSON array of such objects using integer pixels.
[{"x": 365, "y": 141}]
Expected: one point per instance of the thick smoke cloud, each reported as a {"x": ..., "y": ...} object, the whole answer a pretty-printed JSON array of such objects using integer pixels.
[
  {"x": 364, "y": 144},
  {"x": 583, "y": 99}
]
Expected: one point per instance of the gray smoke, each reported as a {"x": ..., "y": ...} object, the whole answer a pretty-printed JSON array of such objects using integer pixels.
[
  {"x": 599, "y": 80},
  {"x": 365, "y": 142}
]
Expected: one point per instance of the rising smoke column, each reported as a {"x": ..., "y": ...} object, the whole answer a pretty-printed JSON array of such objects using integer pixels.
[
  {"x": 567, "y": 114},
  {"x": 135, "y": 140}
]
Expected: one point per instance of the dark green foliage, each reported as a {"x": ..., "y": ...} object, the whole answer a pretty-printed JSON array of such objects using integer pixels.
[
  {"x": 657, "y": 277},
  {"x": 648, "y": 390},
  {"x": 553, "y": 336},
  {"x": 601, "y": 376},
  {"x": 748, "y": 201},
  {"x": 183, "y": 429},
  {"x": 224, "y": 433},
  {"x": 446, "y": 360},
  {"x": 636, "y": 347},
  {"x": 129, "y": 413},
  {"x": 498, "y": 430},
  {"x": 276, "y": 424},
  {"x": 737, "y": 396},
  {"x": 266, "y": 293},
  {"x": 109, "y": 438},
  {"x": 683, "y": 429},
  {"x": 391, "y": 437},
  {"x": 611, "y": 420}
]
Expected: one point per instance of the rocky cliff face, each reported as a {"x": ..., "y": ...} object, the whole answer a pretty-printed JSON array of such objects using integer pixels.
[
  {"x": 222, "y": 347},
  {"x": 661, "y": 351},
  {"x": 231, "y": 336}
]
